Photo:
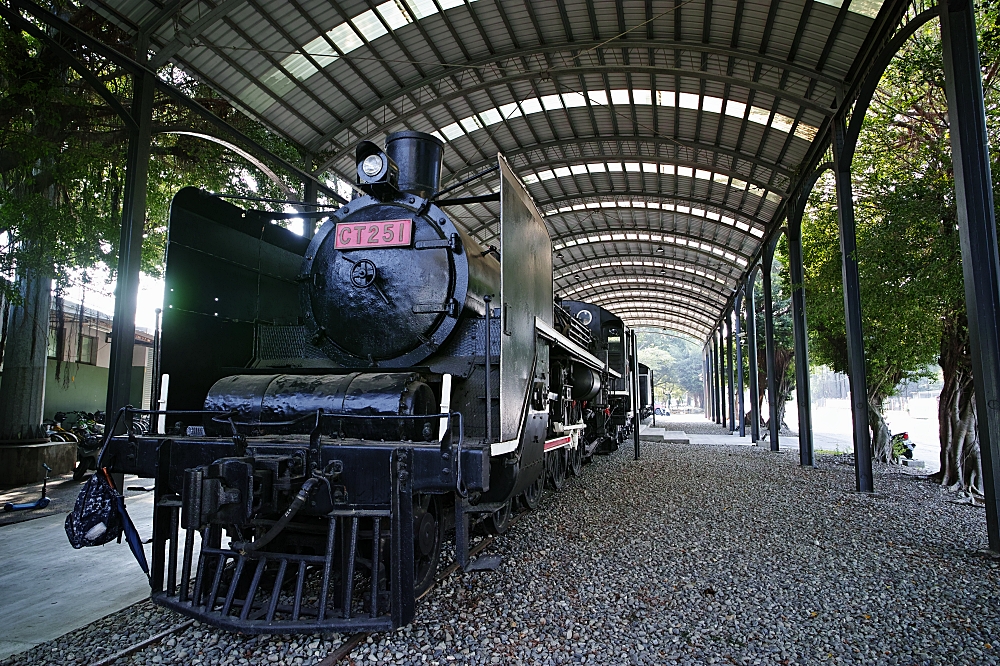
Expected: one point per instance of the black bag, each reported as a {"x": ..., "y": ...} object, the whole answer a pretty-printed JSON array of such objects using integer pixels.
[{"x": 95, "y": 519}]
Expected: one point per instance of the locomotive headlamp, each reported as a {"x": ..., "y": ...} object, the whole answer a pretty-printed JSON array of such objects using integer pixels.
[
  {"x": 377, "y": 173},
  {"x": 372, "y": 165}
]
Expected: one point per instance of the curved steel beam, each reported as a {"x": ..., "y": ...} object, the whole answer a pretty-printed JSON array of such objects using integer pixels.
[
  {"x": 651, "y": 289},
  {"x": 638, "y": 309},
  {"x": 665, "y": 270},
  {"x": 661, "y": 276},
  {"x": 535, "y": 166},
  {"x": 605, "y": 297},
  {"x": 669, "y": 329},
  {"x": 639, "y": 305},
  {"x": 798, "y": 203},
  {"x": 739, "y": 233},
  {"x": 521, "y": 55},
  {"x": 867, "y": 90},
  {"x": 242, "y": 153},
  {"x": 656, "y": 141},
  {"x": 618, "y": 266},
  {"x": 562, "y": 238},
  {"x": 690, "y": 202},
  {"x": 659, "y": 331},
  {"x": 683, "y": 248},
  {"x": 574, "y": 73}
]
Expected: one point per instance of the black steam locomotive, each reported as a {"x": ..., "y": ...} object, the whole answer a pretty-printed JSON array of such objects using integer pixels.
[{"x": 337, "y": 406}]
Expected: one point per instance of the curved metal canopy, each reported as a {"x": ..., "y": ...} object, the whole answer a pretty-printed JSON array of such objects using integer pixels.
[{"x": 661, "y": 138}]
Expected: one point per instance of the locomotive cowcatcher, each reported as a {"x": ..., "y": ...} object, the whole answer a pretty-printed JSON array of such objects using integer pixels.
[{"x": 336, "y": 405}]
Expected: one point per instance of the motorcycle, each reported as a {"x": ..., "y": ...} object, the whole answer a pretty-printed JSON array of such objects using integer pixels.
[
  {"x": 902, "y": 446},
  {"x": 89, "y": 432}
]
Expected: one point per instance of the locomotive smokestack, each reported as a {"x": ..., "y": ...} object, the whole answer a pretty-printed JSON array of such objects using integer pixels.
[{"x": 418, "y": 156}]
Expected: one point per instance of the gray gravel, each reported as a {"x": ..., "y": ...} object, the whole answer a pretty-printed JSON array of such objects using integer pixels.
[{"x": 694, "y": 555}]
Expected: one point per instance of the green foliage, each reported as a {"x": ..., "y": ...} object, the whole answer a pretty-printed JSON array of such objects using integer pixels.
[
  {"x": 784, "y": 344},
  {"x": 62, "y": 156},
  {"x": 675, "y": 362},
  {"x": 901, "y": 313},
  {"x": 908, "y": 252}
]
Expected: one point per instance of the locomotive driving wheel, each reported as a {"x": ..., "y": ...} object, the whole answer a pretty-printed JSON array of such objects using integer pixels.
[
  {"x": 576, "y": 459},
  {"x": 532, "y": 495},
  {"x": 556, "y": 468},
  {"x": 428, "y": 533},
  {"x": 498, "y": 521}
]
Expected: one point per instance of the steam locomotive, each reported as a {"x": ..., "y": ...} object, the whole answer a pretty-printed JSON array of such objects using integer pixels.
[{"x": 337, "y": 406}]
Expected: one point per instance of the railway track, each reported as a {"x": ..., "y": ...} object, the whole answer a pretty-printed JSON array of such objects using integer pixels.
[{"x": 338, "y": 654}]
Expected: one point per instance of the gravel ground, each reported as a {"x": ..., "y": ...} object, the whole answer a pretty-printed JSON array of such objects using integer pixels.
[{"x": 694, "y": 555}]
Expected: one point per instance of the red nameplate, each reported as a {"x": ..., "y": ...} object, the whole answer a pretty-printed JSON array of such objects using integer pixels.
[{"x": 390, "y": 233}]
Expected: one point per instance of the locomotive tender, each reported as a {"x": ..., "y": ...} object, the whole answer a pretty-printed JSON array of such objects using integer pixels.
[{"x": 337, "y": 405}]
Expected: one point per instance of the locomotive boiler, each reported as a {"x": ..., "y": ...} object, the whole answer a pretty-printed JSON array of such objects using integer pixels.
[{"x": 336, "y": 406}]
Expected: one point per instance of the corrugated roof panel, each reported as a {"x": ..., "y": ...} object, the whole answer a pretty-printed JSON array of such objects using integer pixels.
[{"x": 454, "y": 100}]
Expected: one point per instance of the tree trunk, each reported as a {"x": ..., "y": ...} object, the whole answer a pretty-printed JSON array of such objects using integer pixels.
[
  {"x": 22, "y": 391},
  {"x": 881, "y": 440},
  {"x": 961, "y": 464},
  {"x": 784, "y": 359}
]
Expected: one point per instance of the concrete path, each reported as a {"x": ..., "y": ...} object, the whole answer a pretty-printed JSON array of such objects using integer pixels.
[{"x": 48, "y": 589}]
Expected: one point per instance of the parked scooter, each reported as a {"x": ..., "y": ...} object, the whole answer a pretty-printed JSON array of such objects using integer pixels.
[
  {"x": 89, "y": 433},
  {"x": 902, "y": 446},
  {"x": 39, "y": 503}
]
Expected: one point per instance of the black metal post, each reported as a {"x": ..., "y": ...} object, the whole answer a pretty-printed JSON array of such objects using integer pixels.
[
  {"x": 154, "y": 401},
  {"x": 772, "y": 379},
  {"x": 635, "y": 391},
  {"x": 742, "y": 426},
  {"x": 704, "y": 382},
  {"x": 731, "y": 388},
  {"x": 712, "y": 363},
  {"x": 721, "y": 372},
  {"x": 752, "y": 358},
  {"x": 709, "y": 381},
  {"x": 130, "y": 244},
  {"x": 799, "y": 330},
  {"x": 977, "y": 231},
  {"x": 709, "y": 356},
  {"x": 310, "y": 194},
  {"x": 852, "y": 311},
  {"x": 488, "y": 360}
]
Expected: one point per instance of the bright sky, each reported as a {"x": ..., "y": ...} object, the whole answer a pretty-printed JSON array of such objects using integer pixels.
[{"x": 99, "y": 294}]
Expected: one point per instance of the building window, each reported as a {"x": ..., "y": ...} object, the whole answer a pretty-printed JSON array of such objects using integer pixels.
[
  {"x": 88, "y": 349},
  {"x": 86, "y": 345}
]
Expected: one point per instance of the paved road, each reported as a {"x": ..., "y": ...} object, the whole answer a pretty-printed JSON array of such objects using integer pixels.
[{"x": 50, "y": 589}]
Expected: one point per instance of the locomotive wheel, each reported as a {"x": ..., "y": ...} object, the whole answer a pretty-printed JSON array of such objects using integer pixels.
[
  {"x": 428, "y": 533},
  {"x": 532, "y": 495},
  {"x": 556, "y": 464},
  {"x": 498, "y": 521},
  {"x": 576, "y": 460}
]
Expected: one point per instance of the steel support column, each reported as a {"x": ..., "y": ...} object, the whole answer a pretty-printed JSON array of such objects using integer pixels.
[
  {"x": 716, "y": 405},
  {"x": 799, "y": 330},
  {"x": 635, "y": 391},
  {"x": 977, "y": 231},
  {"x": 752, "y": 358},
  {"x": 707, "y": 383},
  {"x": 731, "y": 387},
  {"x": 709, "y": 380},
  {"x": 309, "y": 195},
  {"x": 772, "y": 379},
  {"x": 742, "y": 425},
  {"x": 130, "y": 243},
  {"x": 852, "y": 311},
  {"x": 704, "y": 382},
  {"x": 722, "y": 377}
]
